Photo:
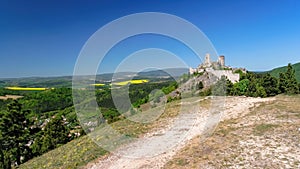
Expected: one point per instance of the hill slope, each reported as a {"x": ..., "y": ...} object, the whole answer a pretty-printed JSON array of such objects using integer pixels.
[
  {"x": 266, "y": 137},
  {"x": 275, "y": 72}
]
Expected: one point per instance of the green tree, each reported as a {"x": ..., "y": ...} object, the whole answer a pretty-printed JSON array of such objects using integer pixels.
[
  {"x": 170, "y": 88},
  {"x": 292, "y": 85},
  {"x": 270, "y": 85},
  {"x": 111, "y": 115},
  {"x": 55, "y": 134},
  {"x": 5, "y": 161},
  {"x": 200, "y": 86},
  {"x": 241, "y": 87},
  {"x": 229, "y": 87},
  {"x": 242, "y": 74},
  {"x": 282, "y": 83},
  {"x": 14, "y": 134},
  {"x": 252, "y": 86},
  {"x": 287, "y": 81},
  {"x": 220, "y": 88},
  {"x": 36, "y": 147},
  {"x": 260, "y": 91}
]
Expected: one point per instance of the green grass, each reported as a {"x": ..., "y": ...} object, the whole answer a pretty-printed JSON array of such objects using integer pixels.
[
  {"x": 182, "y": 162},
  {"x": 263, "y": 128},
  {"x": 72, "y": 155}
]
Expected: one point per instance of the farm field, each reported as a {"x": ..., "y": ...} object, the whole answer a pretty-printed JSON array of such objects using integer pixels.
[
  {"x": 122, "y": 83},
  {"x": 27, "y": 88},
  {"x": 10, "y": 97},
  {"x": 131, "y": 82}
]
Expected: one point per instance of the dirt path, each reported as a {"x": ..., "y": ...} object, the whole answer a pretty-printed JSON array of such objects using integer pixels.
[
  {"x": 266, "y": 137},
  {"x": 157, "y": 148}
]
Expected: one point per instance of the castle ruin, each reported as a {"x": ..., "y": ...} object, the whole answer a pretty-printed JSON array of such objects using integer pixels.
[{"x": 217, "y": 68}]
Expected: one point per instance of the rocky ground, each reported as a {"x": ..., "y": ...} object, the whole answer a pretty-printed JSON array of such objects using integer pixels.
[
  {"x": 268, "y": 136},
  {"x": 253, "y": 133}
]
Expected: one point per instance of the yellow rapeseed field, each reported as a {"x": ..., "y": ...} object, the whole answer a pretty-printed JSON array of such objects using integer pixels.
[
  {"x": 26, "y": 88},
  {"x": 98, "y": 84},
  {"x": 131, "y": 82}
]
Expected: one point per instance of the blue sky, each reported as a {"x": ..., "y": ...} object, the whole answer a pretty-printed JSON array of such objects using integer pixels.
[{"x": 44, "y": 38}]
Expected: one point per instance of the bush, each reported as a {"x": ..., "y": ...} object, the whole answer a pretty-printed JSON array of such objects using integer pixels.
[
  {"x": 260, "y": 91},
  {"x": 206, "y": 92}
]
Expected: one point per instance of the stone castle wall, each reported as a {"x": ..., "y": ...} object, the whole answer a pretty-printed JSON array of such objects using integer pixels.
[{"x": 233, "y": 77}]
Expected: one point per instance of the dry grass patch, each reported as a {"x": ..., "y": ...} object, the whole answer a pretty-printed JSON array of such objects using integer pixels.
[{"x": 263, "y": 128}]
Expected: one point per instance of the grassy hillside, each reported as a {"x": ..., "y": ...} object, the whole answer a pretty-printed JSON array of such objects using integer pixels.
[
  {"x": 275, "y": 72},
  {"x": 71, "y": 155},
  {"x": 83, "y": 150}
]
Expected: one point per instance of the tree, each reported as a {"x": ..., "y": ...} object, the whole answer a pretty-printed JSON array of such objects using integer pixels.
[
  {"x": 200, "y": 86},
  {"x": 242, "y": 74},
  {"x": 288, "y": 82},
  {"x": 220, "y": 89},
  {"x": 4, "y": 159},
  {"x": 260, "y": 91},
  {"x": 55, "y": 134},
  {"x": 111, "y": 115},
  {"x": 252, "y": 86},
  {"x": 229, "y": 87},
  {"x": 14, "y": 134},
  {"x": 241, "y": 87},
  {"x": 37, "y": 145},
  {"x": 282, "y": 83},
  {"x": 270, "y": 85},
  {"x": 292, "y": 85}
]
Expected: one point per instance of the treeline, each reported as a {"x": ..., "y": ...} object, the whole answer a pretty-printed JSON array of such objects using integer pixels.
[
  {"x": 138, "y": 93},
  {"x": 259, "y": 84}
]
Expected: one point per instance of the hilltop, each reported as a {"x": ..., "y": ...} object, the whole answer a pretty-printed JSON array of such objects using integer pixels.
[{"x": 275, "y": 72}]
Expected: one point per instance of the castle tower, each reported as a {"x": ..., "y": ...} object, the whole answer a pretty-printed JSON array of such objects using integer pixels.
[
  {"x": 207, "y": 60},
  {"x": 222, "y": 61}
]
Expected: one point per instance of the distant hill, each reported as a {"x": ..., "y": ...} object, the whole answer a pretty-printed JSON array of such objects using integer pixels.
[
  {"x": 174, "y": 72},
  {"x": 66, "y": 81},
  {"x": 275, "y": 72}
]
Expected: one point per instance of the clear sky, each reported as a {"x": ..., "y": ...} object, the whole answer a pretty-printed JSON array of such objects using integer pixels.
[{"x": 44, "y": 38}]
